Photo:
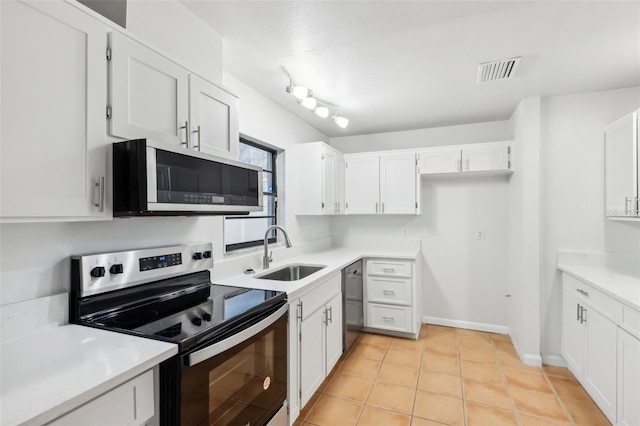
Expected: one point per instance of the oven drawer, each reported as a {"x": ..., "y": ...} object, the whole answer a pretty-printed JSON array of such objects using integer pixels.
[
  {"x": 389, "y": 290},
  {"x": 392, "y": 268},
  {"x": 128, "y": 404},
  {"x": 387, "y": 317}
]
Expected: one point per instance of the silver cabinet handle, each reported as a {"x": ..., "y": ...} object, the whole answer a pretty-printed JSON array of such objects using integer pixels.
[
  {"x": 331, "y": 314},
  {"x": 388, "y": 318},
  {"x": 186, "y": 134},
  {"x": 388, "y": 270},
  {"x": 376, "y": 207},
  {"x": 583, "y": 315},
  {"x": 582, "y": 292},
  {"x": 98, "y": 197},
  {"x": 198, "y": 132},
  {"x": 217, "y": 348},
  {"x": 383, "y": 207},
  {"x": 388, "y": 292},
  {"x": 627, "y": 205},
  {"x": 577, "y": 312},
  {"x": 466, "y": 164},
  {"x": 299, "y": 311}
]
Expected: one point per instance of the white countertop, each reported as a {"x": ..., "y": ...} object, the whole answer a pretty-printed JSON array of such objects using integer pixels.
[
  {"x": 334, "y": 259},
  {"x": 49, "y": 373},
  {"x": 620, "y": 284}
]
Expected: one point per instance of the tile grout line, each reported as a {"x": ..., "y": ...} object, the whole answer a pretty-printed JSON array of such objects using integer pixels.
[
  {"x": 557, "y": 395},
  {"x": 508, "y": 387}
]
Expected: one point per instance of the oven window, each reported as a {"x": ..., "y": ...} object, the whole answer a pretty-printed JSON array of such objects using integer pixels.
[{"x": 245, "y": 385}]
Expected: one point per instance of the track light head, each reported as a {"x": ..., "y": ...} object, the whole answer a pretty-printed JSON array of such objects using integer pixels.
[{"x": 340, "y": 121}]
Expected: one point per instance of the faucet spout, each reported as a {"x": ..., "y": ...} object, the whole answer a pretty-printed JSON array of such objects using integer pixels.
[{"x": 266, "y": 259}]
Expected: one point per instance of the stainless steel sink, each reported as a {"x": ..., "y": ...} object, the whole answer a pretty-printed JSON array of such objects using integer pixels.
[{"x": 291, "y": 272}]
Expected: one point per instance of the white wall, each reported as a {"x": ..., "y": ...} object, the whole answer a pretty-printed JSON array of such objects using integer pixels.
[
  {"x": 524, "y": 232},
  {"x": 573, "y": 191},
  {"x": 34, "y": 257},
  {"x": 464, "y": 279}
]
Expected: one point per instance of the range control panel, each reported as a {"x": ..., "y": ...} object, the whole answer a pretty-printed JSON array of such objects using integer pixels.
[{"x": 99, "y": 273}]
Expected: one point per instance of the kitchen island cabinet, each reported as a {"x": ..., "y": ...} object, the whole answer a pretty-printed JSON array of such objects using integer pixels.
[{"x": 53, "y": 153}]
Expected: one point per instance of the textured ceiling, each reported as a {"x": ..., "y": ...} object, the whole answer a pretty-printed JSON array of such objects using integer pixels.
[{"x": 398, "y": 65}]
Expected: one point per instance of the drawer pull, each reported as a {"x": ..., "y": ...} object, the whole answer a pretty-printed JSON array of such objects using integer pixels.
[
  {"x": 389, "y": 318},
  {"x": 388, "y": 269},
  {"x": 584, "y": 293},
  {"x": 388, "y": 292}
]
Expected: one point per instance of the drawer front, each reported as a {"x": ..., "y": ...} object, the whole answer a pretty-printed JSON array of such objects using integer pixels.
[
  {"x": 320, "y": 294},
  {"x": 131, "y": 403},
  {"x": 389, "y": 290},
  {"x": 609, "y": 307},
  {"x": 631, "y": 320},
  {"x": 396, "y": 318},
  {"x": 391, "y": 268}
]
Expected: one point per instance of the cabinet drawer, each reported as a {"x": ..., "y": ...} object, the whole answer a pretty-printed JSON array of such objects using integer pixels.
[
  {"x": 319, "y": 295},
  {"x": 400, "y": 268},
  {"x": 396, "y": 318},
  {"x": 131, "y": 403},
  {"x": 609, "y": 307},
  {"x": 631, "y": 320},
  {"x": 389, "y": 290}
]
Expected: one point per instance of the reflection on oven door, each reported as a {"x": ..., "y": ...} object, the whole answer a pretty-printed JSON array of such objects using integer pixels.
[{"x": 245, "y": 385}]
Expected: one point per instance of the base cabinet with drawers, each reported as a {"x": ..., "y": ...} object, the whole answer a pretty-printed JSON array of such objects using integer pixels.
[
  {"x": 392, "y": 302},
  {"x": 600, "y": 349}
]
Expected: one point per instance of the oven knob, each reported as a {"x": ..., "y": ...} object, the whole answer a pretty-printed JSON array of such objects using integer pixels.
[
  {"x": 97, "y": 272},
  {"x": 196, "y": 321},
  {"x": 206, "y": 317},
  {"x": 206, "y": 254},
  {"x": 116, "y": 268},
  {"x": 197, "y": 255}
]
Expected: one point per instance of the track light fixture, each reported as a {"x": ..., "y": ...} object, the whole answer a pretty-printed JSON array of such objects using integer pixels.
[{"x": 306, "y": 99}]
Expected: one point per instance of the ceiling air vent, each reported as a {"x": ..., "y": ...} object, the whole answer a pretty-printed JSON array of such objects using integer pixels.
[{"x": 497, "y": 70}]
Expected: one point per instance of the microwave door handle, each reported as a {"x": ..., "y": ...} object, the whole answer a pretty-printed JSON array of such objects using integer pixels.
[{"x": 219, "y": 347}]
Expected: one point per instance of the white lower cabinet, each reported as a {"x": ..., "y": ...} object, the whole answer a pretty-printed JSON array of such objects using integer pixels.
[
  {"x": 604, "y": 358},
  {"x": 317, "y": 331},
  {"x": 628, "y": 379},
  {"x": 131, "y": 403},
  {"x": 392, "y": 302}
]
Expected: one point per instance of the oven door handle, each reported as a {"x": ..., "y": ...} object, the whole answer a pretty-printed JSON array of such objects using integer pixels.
[{"x": 219, "y": 347}]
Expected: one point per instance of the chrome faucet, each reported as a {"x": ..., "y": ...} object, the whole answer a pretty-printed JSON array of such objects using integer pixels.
[{"x": 266, "y": 259}]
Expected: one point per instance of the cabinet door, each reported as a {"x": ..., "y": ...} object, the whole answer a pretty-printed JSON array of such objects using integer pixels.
[
  {"x": 329, "y": 205},
  {"x": 600, "y": 361},
  {"x": 621, "y": 167},
  {"x": 213, "y": 119},
  {"x": 398, "y": 183},
  {"x": 334, "y": 331},
  {"x": 53, "y": 79},
  {"x": 628, "y": 379},
  {"x": 149, "y": 94},
  {"x": 485, "y": 158},
  {"x": 312, "y": 354},
  {"x": 573, "y": 333},
  {"x": 439, "y": 160},
  {"x": 339, "y": 182},
  {"x": 362, "y": 184}
]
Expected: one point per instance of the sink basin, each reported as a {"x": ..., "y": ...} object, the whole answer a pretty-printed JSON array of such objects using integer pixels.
[{"x": 291, "y": 272}]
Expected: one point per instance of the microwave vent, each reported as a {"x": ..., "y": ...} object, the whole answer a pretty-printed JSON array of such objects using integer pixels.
[{"x": 497, "y": 70}]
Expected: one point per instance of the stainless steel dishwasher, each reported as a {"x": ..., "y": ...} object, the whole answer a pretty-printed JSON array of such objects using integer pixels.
[{"x": 352, "y": 318}]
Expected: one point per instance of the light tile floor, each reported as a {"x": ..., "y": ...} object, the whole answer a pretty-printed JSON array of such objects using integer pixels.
[{"x": 449, "y": 376}]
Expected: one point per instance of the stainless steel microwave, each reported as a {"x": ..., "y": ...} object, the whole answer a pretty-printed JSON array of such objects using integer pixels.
[{"x": 152, "y": 178}]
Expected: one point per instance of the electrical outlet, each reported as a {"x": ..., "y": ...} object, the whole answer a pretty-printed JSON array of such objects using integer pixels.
[
  {"x": 480, "y": 234},
  {"x": 405, "y": 232}
]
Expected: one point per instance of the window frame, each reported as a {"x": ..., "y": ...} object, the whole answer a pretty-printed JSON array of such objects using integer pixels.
[{"x": 230, "y": 248}]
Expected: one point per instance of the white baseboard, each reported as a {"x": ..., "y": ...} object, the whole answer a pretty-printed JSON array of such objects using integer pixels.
[
  {"x": 478, "y": 326},
  {"x": 532, "y": 359},
  {"x": 554, "y": 360}
]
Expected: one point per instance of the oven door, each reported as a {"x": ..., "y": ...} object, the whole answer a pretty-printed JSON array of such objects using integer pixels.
[{"x": 241, "y": 380}]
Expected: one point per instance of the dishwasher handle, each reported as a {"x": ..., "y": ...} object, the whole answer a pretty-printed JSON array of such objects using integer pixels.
[{"x": 228, "y": 343}]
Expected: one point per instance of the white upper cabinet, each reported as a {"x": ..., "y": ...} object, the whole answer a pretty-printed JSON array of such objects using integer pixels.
[
  {"x": 320, "y": 179},
  {"x": 53, "y": 79},
  {"x": 398, "y": 183},
  {"x": 213, "y": 119},
  {"x": 153, "y": 97},
  {"x": 362, "y": 184},
  {"x": 466, "y": 158},
  {"x": 149, "y": 94},
  {"x": 622, "y": 156},
  {"x": 380, "y": 183}
]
